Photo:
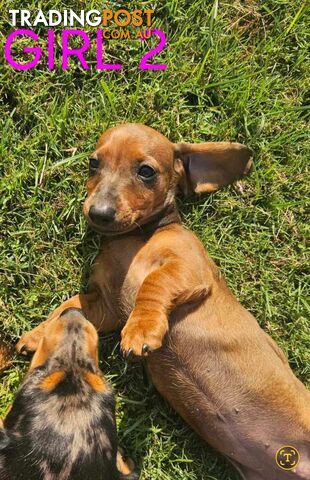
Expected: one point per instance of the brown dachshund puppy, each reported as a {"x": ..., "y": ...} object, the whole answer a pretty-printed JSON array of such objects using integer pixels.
[
  {"x": 216, "y": 366},
  {"x": 62, "y": 423}
]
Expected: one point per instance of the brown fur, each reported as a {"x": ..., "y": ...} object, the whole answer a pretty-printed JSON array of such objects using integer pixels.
[
  {"x": 97, "y": 383},
  {"x": 50, "y": 382},
  {"x": 6, "y": 351},
  {"x": 216, "y": 366}
]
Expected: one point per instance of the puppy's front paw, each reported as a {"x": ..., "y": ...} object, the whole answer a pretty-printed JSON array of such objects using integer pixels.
[
  {"x": 141, "y": 337},
  {"x": 124, "y": 464},
  {"x": 28, "y": 342}
]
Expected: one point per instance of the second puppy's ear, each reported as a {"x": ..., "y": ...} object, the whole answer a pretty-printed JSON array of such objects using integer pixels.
[{"x": 206, "y": 167}]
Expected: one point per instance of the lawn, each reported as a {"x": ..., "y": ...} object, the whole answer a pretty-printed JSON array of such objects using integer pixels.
[{"x": 236, "y": 71}]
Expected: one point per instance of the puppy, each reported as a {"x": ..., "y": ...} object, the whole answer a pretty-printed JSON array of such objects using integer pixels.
[
  {"x": 62, "y": 422},
  {"x": 208, "y": 358}
]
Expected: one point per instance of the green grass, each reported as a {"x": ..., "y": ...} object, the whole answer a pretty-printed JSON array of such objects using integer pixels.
[{"x": 236, "y": 72}]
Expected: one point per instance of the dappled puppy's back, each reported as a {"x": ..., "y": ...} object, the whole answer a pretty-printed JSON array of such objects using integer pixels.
[{"x": 61, "y": 426}]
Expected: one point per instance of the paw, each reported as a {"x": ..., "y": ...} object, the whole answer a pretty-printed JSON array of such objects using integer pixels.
[
  {"x": 140, "y": 338},
  {"x": 124, "y": 464},
  {"x": 28, "y": 343}
]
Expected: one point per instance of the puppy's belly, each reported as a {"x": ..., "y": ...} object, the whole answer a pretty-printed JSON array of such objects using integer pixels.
[{"x": 235, "y": 392}]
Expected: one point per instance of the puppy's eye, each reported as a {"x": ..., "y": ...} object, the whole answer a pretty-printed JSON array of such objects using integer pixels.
[
  {"x": 146, "y": 172},
  {"x": 93, "y": 165}
]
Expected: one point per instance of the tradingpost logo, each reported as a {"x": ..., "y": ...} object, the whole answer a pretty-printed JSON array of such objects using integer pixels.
[
  {"x": 78, "y": 36},
  {"x": 287, "y": 457}
]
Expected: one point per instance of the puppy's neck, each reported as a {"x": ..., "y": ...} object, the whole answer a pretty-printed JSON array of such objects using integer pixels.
[
  {"x": 71, "y": 360},
  {"x": 166, "y": 216}
]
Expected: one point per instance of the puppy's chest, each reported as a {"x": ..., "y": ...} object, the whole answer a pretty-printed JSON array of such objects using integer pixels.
[
  {"x": 130, "y": 287},
  {"x": 122, "y": 268}
]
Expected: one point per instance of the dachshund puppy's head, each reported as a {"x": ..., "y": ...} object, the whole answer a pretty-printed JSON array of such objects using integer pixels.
[
  {"x": 62, "y": 422},
  {"x": 69, "y": 340},
  {"x": 131, "y": 178},
  {"x": 134, "y": 174}
]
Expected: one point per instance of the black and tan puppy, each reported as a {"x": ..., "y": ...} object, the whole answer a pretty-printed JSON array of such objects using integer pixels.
[{"x": 62, "y": 422}]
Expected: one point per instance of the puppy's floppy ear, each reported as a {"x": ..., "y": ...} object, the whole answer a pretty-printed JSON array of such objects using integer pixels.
[{"x": 208, "y": 166}]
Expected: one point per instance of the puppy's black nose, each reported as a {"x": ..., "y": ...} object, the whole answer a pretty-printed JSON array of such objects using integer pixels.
[{"x": 101, "y": 215}]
